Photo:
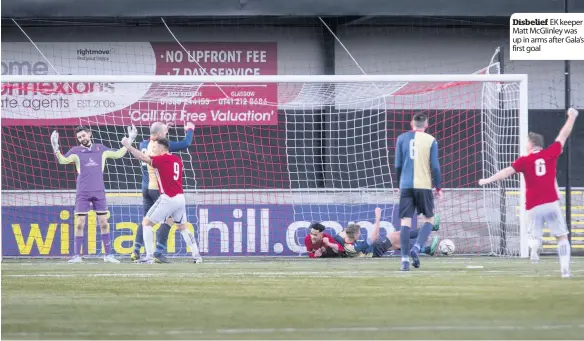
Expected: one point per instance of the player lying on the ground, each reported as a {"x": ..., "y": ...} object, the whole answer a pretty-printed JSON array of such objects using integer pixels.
[
  {"x": 375, "y": 246},
  {"x": 151, "y": 192},
  {"x": 320, "y": 244},
  {"x": 542, "y": 200},
  {"x": 90, "y": 159},
  {"x": 418, "y": 168},
  {"x": 171, "y": 202}
]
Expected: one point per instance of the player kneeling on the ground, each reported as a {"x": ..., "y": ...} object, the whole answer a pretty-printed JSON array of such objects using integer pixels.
[
  {"x": 542, "y": 200},
  {"x": 171, "y": 203},
  {"x": 320, "y": 244},
  {"x": 374, "y": 246}
]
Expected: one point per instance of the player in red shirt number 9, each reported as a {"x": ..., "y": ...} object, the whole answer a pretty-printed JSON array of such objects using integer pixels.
[
  {"x": 171, "y": 203},
  {"x": 542, "y": 200}
]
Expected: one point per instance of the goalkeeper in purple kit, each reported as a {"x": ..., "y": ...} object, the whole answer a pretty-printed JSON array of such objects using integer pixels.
[{"x": 90, "y": 159}]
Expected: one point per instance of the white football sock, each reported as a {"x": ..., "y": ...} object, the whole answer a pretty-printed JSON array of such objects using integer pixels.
[
  {"x": 564, "y": 253},
  {"x": 148, "y": 240},
  {"x": 534, "y": 244},
  {"x": 191, "y": 242}
]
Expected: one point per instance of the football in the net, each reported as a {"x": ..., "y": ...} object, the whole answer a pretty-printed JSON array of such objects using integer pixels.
[{"x": 446, "y": 247}]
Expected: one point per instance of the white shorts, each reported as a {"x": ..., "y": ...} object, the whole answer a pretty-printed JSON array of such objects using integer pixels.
[
  {"x": 166, "y": 207},
  {"x": 550, "y": 213}
]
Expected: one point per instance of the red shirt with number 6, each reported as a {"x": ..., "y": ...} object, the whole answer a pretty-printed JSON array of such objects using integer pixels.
[
  {"x": 539, "y": 172},
  {"x": 168, "y": 169}
]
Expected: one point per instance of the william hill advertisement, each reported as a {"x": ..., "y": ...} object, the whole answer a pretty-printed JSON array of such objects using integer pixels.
[{"x": 221, "y": 230}]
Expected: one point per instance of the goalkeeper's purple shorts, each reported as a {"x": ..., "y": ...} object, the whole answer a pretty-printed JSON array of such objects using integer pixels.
[{"x": 86, "y": 201}]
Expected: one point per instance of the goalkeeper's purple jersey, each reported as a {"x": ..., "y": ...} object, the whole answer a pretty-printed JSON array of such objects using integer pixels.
[{"x": 90, "y": 163}]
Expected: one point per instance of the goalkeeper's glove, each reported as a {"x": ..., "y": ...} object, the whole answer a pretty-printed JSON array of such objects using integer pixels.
[
  {"x": 132, "y": 133},
  {"x": 572, "y": 112},
  {"x": 55, "y": 141}
]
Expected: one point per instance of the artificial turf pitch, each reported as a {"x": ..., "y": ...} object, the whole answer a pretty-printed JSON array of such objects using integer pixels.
[{"x": 293, "y": 299}]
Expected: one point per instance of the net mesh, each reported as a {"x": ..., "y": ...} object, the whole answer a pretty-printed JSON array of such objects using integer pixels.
[{"x": 254, "y": 189}]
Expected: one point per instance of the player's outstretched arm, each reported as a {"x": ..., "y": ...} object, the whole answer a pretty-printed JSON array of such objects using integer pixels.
[
  {"x": 175, "y": 146},
  {"x": 372, "y": 238},
  {"x": 568, "y": 126},
  {"x": 501, "y": 175},
  {"x": 332, "y": 244},
  {"x": 60, "y": 157},
  {"x": 375, "y": 234},
  {"x": 116, "y": 154},
  {"x": 127, "y": 143},
  {"x": 137, "y": 154}
]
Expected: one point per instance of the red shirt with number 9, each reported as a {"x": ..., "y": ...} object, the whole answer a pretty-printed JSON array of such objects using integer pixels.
[
  {"x": 539, "y": 172},
  {"x": 169, "y": 170}
]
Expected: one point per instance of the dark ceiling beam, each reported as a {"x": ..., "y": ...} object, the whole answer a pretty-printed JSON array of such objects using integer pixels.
[
  {"x": 254, "y": 8},
  {"x": 359, "y": 20}
]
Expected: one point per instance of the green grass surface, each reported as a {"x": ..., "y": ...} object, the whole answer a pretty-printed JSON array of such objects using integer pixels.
[{"x": 293, "y": 299}]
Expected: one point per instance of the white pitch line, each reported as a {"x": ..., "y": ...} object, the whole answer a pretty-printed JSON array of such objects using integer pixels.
[
  {"x": 159, "y": 274},
  {"x": 302, "y": 261},
  {"x": 311, "y": 274},
  {"x": 235, "y": 331},
  {"x": 390, "y": 329}
]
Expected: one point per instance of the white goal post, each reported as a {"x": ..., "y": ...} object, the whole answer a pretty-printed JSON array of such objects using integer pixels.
[{"x": 386, "y": 94}]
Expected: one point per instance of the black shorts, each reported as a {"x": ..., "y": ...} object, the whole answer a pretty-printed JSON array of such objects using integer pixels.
[
  {"x": 149, "y": 197},
  {"x": 381, "y": 246},
  {"x": 412, "y": 200}
]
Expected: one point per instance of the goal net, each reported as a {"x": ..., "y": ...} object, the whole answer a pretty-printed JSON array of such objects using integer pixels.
[{"x": 270, "y": 155}]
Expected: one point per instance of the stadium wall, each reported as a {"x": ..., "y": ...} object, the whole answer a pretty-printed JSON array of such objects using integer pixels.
[{"x": 396, "y": 50}]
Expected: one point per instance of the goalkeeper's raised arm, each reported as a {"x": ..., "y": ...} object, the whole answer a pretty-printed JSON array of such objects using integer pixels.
[{"x": 70, "y": 157}]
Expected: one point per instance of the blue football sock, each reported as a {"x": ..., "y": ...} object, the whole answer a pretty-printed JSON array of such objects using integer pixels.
[
  {"x": 162, "y": 238},
  {"x": 404, "y": 242},
  {"x": 412, "y": 243},
  {"x": 423, "y": 236},
  {"x": 139, "y": 240},
  {"x": 413, "y": 233},
  {"x": 423, "y": 249}
]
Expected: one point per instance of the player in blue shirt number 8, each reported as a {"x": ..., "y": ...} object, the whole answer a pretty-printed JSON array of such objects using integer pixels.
[
  {"x": 418, "y": 170},
  {"x": 151, "y": 192}
]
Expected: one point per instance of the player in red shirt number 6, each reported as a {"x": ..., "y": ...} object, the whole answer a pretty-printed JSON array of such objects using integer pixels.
[
  {"x": 542, "y": 200},
  {"x": 171, "y": 203}
]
